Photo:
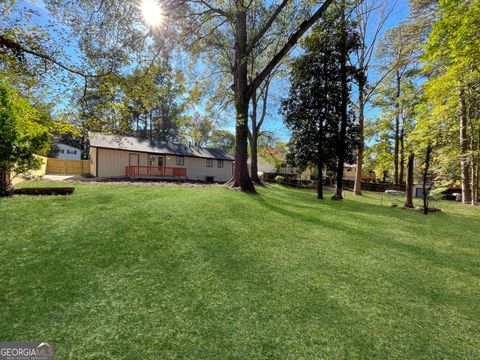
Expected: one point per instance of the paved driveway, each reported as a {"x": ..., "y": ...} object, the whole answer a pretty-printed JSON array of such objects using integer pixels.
[{"x": 62, "y": 177}]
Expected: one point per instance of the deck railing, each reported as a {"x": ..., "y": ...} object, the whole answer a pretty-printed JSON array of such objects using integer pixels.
[{"x": 134, "y": 170}]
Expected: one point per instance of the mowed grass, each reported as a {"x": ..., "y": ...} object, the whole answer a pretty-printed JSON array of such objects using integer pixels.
[{"x": 156, "y": 272}]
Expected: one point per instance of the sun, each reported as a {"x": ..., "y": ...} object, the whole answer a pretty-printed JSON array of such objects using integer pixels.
[{"x": 152, "y": 12}]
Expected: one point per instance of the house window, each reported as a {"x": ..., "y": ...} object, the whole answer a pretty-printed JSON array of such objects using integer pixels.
[
  {"x": 220, "y": 163},
  {"x": 62, "y": 151},
  {"x": 209, "y": 163},
  {"x": 180, "y": 160}
]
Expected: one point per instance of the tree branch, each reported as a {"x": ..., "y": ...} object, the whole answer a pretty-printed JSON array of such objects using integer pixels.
[
  {"x": 267, "y": 26},
  {"x": 264, "y": 104},
  {"x": 292, "y": 40},
  {"x": 17, "y": 48}
]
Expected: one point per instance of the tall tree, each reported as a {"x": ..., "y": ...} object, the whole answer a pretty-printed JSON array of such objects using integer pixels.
[
  {"x": 396, "y": 55},
  {"x": 323, "y": 133},
  {"x": 464, "y": 163},
  {"x": 370, "y": 16},
  {"x": 222, "y": 139},
  {"x": 345, "y": 45},
  {"x": 453, "y": 61},
  {"x": 157, "y": 95},
  {"x": 149, "y": 103},
  {"x": 199, "y": 129},
  {"x": 231, "y": 31}
]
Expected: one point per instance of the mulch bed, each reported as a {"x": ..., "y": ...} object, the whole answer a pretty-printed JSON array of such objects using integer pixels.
[{"x": 44, "y": 191}]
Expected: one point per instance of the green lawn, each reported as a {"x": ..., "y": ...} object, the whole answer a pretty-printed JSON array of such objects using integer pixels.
[{"x": 153, "y": 272}]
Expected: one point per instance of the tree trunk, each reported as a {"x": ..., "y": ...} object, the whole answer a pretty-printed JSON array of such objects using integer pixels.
[
  {"x": 5, "y": 183},
  {"x": 253, "y": 141},
  {"x": 464, "y": 168},
  {"x": 254, "y": 156},
  {"x": 344, "y": 104},
  {"x": 4, "y": 178},
  {"x": 357, "y": 188},
  {"x": 473, "y": 145},
  {"x": 426, "y": 189},
  {"x": 397, "y": 129},
  {"x": 474, "y": 180},
  {"x": 241, "y": 178},
  {"x": 409, "y": 185},
  {"x": 320, "y": 158},
  {"x": 151, "y": 126},
  {"x": 477, "y": 184},
  {"x": 320, "y": 180},
  {"x": 145, "y": 130},
  {"x": 402, "y": 157}
]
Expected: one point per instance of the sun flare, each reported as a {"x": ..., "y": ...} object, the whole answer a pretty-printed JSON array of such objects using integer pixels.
[{"x": 152, "y": 12}]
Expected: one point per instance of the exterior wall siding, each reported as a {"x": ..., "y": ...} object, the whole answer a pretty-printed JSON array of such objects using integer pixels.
[
  {"x": 197, "y": 168},
  {"x": 93, "y": 159},
  {"x": 112, "y": 163}
]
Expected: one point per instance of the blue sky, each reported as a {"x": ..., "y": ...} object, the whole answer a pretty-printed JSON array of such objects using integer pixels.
[{"x": 279, "y": 88}]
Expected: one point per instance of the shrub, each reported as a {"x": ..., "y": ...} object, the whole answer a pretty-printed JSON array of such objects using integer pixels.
[{"x": 279, "y": 179}]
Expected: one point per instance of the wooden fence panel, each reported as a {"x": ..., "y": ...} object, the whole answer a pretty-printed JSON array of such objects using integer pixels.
[
  {"x": 67, "y": 167},
  {"x": 377, "y": 187}
]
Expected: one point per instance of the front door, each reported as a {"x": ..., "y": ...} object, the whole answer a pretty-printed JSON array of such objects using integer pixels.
[
  {"x": 156, "y": 164},
  {"x": 161, "y": 161}
]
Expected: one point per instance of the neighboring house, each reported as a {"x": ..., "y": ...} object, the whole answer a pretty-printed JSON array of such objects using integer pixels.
[
  {"x": 265, "y": 166},
  {"x": 115, "y": 156},
  {"x": 271, "y": 162},
  {"x": 349, "y": 171},
  {"x": 67, "y": 152}
]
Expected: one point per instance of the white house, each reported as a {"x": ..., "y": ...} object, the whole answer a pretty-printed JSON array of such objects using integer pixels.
[
  {"x": 120, "y": 156},
  {"x": 67, "y": 152},
  {"x": 269, "y": 164}
]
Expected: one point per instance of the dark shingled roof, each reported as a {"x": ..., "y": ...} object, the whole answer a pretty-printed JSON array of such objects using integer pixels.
[{"x": 155, "y": 147}]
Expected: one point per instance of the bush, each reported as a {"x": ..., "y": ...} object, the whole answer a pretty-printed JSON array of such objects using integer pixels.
[
  {"x": 279, "y": 179},
  {"x": 6, "y": 189}
]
